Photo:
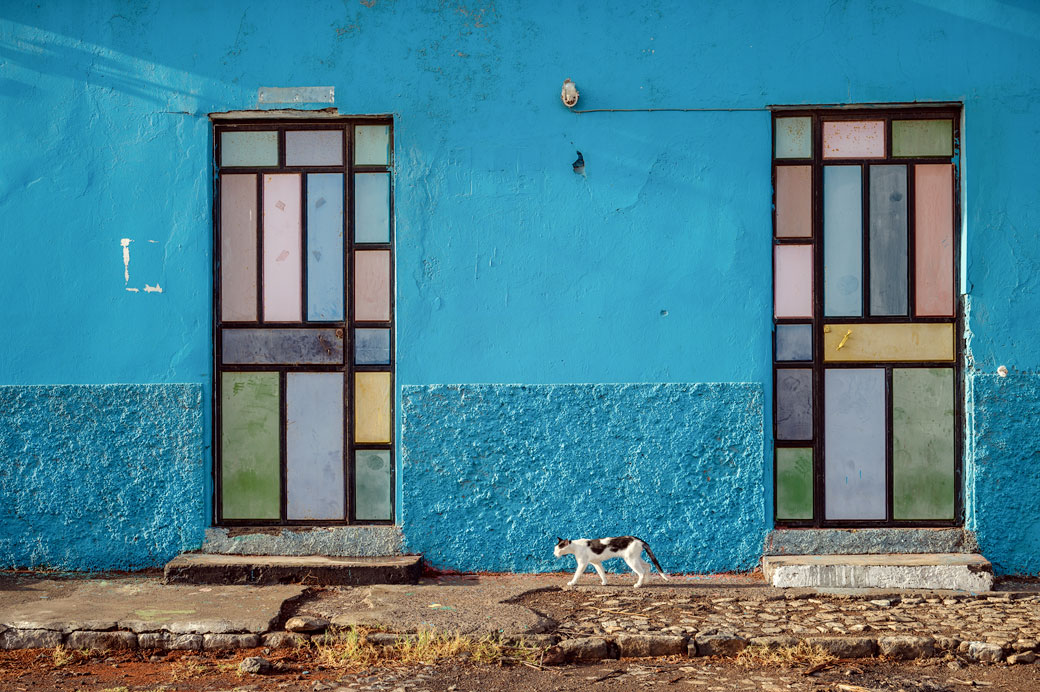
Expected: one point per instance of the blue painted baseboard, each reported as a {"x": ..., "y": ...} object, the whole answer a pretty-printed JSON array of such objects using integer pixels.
[
  {"x": 492, "y": 473},
  {"x": 97, "y": 477}
]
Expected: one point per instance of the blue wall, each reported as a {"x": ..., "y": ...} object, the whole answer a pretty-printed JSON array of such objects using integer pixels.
[
  {"x": 103, "y": 477},
  {"x": 652, "y": 268},
  {"x": 496, "y": 472}
]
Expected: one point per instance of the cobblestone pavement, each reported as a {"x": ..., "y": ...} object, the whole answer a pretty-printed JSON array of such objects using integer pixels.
[{"x": 583, "y": 612}]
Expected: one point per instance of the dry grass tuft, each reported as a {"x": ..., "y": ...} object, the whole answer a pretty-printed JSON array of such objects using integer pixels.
[
  {"x": 785, "y": 657},
  {"x": 188, "y": 668},
  {"x": 350, "y": 648},
  {"x": 62, "y": 657}
]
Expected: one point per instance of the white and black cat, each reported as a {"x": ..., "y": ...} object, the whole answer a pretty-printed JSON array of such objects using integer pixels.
[{"x": 597, "y": 550}]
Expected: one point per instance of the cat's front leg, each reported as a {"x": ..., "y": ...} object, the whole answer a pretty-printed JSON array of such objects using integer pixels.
[
  {"x": 577, "y": 573},
  {"x": 601, "y": 572}
]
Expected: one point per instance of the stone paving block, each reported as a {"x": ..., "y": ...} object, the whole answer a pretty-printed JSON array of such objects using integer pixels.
[
  {"x": 985, "y": 652},
  {"x": 643, "y": 645},
  {"x": 278, "y": 640},
  {"x": 775, "y": 642},
  {"x": 306, "y": 624},
  {"x": 906, "y": 647},
  {"x": 944, "y": 643},
  {"x": 845, "y": 647},
  {"x": 155, "y": 640},
  {"x": 29, "y": 639},
  {"x": 582, "y": 650},
  {"x": 1024, "y": 657},
  {"x": 187, "y": 642},
  {"x": 1025, "y": 645},
  {"x": 212, "y": 642},
  {"x": 101, "y": 641},
  {"x": 720, "y": 644}
]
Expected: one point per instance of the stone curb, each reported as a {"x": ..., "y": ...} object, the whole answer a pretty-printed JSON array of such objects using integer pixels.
[{"x": 556, "y": 651}]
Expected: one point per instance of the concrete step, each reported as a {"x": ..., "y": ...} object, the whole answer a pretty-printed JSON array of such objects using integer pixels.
[
  {"x": 310, "y": 570},
  {"x": 958, "y": 571}
]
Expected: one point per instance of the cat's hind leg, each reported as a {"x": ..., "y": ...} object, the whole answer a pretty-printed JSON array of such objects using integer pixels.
[
  {"x": 639, "y": 567},
  {"x": 601, "y": 572},
  {"x": 578, "y": 572}
]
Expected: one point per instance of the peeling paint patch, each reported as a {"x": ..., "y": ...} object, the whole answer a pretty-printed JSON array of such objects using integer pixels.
[
  {"x": 125, "y": 242},
  {"x": 133, "y": 290},
  {"x": 152, "y": 289}
]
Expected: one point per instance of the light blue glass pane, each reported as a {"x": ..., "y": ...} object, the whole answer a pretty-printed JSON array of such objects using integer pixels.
[
  {"x": 371, "y": 145},
  {"x": 314, "y": 445},
  {"x": 372, "y": 208},
  {"x": 314, "y": 148},
  {"x": 325, "y": 247},
  {"x": 372, "y": 346},
  {"x": 888, "y": 290},
  {"x": 793, "y": 138},
  {"x": 842, "y": 241},
  {"x": 854, "y": 434},
  {"x": 372, "y": 485},
  {"x": 794, "y": 342},
  {"x": 248, "y": 148}
]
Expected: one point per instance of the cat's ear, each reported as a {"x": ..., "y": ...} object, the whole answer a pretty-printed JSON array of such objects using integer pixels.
[{"x": 559, "y": 540}]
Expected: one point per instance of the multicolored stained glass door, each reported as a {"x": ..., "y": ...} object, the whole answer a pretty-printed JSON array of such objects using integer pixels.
[
  {"x": 304, "y": 323},
  {"x": 867, "y": 419}
]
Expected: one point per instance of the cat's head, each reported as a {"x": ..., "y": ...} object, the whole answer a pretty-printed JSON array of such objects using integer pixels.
[{"x": 562, "y": 547}]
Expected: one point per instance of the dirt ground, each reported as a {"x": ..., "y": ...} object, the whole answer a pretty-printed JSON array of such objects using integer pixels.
[{"x": 35, "y": 670}]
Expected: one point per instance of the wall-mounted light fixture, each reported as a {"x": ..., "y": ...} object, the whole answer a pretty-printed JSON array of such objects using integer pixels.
[{"x": 569, "y": 93}]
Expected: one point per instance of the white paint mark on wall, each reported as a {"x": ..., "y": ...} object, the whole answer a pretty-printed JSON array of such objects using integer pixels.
[
  {"x": 152, "y": 289},
  {"x": 125, "y": 242},
  {"x": 134, "y": 290}
]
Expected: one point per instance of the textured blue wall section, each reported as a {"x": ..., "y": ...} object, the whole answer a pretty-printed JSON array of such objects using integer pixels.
[
  {"x": 1003, "y": 481},
  {"x": 100, "y": 477},
  {"x": 495, "y": 472},
  {"x": 654, "y": 266}
]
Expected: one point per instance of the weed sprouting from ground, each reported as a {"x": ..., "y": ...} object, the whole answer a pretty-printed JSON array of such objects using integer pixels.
[
  {"x": 785, "y": 656},
  {"x": 62, "y": 657},
  {"x": 351, "y": 648}
]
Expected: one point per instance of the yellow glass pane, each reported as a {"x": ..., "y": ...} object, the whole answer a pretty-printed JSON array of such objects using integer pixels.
[
  {"x": 372, "y": 407},
  {"x": 888, "y": 342}
]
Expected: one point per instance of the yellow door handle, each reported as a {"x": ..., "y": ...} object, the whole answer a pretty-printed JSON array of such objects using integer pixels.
[{"x": 843, "y": 340}]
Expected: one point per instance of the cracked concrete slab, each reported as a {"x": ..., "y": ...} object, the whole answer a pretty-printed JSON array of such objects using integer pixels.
[{"x": 139, "y": 604}]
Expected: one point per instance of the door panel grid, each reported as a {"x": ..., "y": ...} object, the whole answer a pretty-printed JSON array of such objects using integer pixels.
[
  {"x": 303, "y": 322},
  {"x": 870, "y": 196}
]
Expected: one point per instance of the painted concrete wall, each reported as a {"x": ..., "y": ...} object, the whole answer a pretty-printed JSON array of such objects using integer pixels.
[
  {"x": 496, "y": 472},
  {"x": 654, "y": 267},
  {"x": 100, "y": 477}
]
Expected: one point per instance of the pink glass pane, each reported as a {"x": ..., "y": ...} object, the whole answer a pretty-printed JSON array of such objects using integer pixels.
[
  {"x": 933, "y": 247},
  {"x": 238, "y": 247},
  {"x": 282, "y": 292},
  {"x": 792, "y": 281},
  {"x": 372, "y": 285},
  {"x": 853, "y": 139},
  {"x": 793, "y": 201}
]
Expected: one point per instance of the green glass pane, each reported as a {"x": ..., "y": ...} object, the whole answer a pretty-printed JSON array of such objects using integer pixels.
[
  {"x": 794, "y": 483},
  {"x": 372, "y": 145},
  {"x": 249, "y": 445},
  {"x": 372, "y": 485},
  {"x": 922, "y": 443},
  {"x": 793, "y": 138},
  {"x": 248, "y": 148},
  {"x": 922, "y": 138}
]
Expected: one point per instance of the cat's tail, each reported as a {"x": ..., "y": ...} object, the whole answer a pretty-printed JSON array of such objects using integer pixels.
[{"x": 653, "y": 559}]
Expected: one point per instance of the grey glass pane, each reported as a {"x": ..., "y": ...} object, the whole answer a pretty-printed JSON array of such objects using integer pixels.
[
  {"x": 888, "y": 294},
  {"x": 854, "y": 433},
  {"x": 372, "y": 485},
  {"x": 314, "y": 445},
  {"x": 794, "y": 342},
  {"x": 314, "y": 148},
  {"x": 372, "y": 346},
  {"x": 794, "y": 419},
  {"x": 371, "y": 145},
  {"x": 248, "y": 148},
  {"x": 842, "y": 241},
  {"x": 281, "y": 346}
]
